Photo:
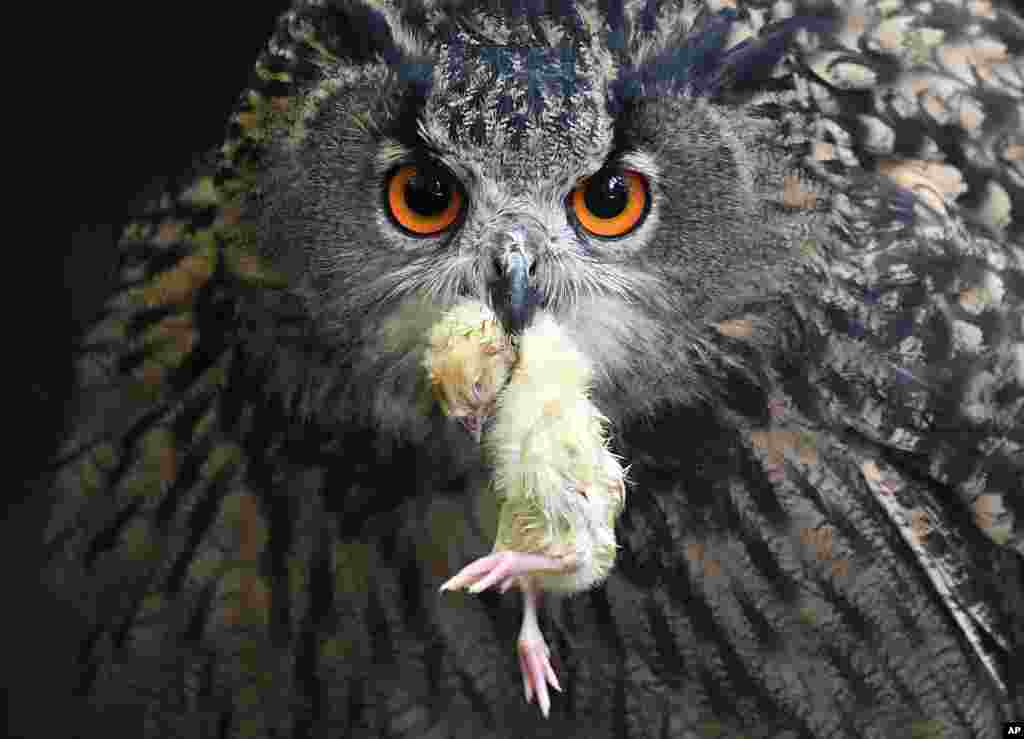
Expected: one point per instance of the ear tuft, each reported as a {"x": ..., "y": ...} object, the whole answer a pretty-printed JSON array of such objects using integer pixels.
[
  {"x": 701, "y": 65},
  {"x": 365, "y": 31},
  {"x": 677, "y": 68},
  {"x": 754, "y": 59}
]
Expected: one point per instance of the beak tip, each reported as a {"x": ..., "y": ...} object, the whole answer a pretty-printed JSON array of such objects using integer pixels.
[{"x": 519, "y": 291}]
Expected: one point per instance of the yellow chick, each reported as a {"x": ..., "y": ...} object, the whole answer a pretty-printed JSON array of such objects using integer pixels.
[
  {"x": 560, "y": 488},
  {"x": 468, "y": 360}
]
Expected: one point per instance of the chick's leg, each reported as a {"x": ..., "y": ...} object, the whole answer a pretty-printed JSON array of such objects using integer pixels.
[
  {"x": 504, "y": 568},
  {"x": 534, "y": 662}
]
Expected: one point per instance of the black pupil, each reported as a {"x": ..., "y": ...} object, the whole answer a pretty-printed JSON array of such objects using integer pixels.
[
  {"x": 428, "y": 193},
  {"x": 607, "y": 194}
]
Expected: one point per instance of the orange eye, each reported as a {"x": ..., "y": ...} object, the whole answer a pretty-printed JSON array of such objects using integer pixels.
[
  {"x": 423, "y": 200},
  {"x": 611, "y": 203}
]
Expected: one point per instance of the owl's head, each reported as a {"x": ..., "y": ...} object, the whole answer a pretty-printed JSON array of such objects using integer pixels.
[{"x": 558, "y": 158}]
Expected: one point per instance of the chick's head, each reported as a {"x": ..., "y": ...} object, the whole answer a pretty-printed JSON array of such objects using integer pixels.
[{"x": 469, "y": 360}]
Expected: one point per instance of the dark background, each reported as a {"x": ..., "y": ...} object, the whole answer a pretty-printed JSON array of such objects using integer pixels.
[{"x": 145, "y": 88}]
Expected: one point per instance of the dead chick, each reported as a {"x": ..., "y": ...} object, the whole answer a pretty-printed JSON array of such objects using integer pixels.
[{"x": 560, "y": 488}]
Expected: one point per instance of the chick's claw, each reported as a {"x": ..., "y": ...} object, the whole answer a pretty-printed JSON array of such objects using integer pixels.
[
  {"x": 535, "y": 665},
  {"x": 500, "y": 567}
]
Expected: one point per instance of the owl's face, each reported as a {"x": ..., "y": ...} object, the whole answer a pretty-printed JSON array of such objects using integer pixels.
[{"x": 506, "y": 161}]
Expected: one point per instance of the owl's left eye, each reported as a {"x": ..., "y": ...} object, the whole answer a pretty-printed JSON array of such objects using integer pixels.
[
  {"x": 423, "y": 200},
  {"x": 611, "y": 203}
]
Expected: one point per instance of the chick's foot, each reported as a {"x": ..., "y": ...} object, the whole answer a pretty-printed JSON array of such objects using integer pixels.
[
  {"x": 503, "y": 568},
  {"x": 534, "y": 655}
]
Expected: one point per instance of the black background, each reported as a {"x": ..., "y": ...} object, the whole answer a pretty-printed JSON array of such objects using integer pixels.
[{"x": 145, "y": 88}]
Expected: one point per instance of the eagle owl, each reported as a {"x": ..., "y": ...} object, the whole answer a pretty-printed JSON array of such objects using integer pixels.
[{"x": 786, "y": 236}]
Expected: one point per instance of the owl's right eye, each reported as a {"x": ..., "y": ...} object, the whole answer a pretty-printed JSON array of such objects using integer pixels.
[{"x": 423, "y": 200}]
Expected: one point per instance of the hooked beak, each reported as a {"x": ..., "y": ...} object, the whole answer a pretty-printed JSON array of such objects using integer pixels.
[
  {"x": 517, "y": 278},
  {"x": 514, "y": 296}
]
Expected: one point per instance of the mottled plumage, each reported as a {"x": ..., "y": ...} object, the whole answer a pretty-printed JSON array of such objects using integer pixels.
[{"x": 808, "y": 341}]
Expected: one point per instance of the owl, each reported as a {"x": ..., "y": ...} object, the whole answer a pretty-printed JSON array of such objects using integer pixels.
[{"x": 787, "y": 239}]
